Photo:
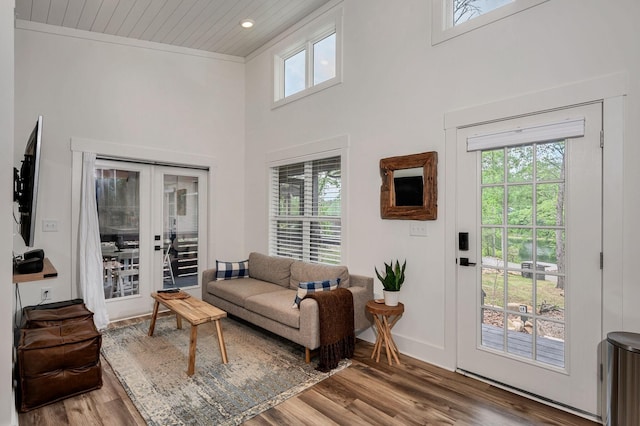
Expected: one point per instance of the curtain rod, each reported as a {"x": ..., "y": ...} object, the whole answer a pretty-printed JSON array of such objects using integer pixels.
[{"x": 151, "y": 162}]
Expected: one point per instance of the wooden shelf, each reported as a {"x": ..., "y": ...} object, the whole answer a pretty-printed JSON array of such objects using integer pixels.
[{"x": 47, "y": 272}]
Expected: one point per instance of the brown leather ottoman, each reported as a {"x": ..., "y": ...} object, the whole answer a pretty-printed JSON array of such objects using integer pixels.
[
  {"x": 58, "y": 361},
  {"x": 36, "y": 316}
]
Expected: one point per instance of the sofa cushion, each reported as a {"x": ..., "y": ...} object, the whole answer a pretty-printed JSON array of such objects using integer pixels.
[
  {"x": 237, "y": 291},
  {"x": 275, "y": 305},
  {"x": 304, "y": 272},
  {"x": 273, "y": 269},
  {"x": 312, "y": 287},
  {"x": 232, "y": 270}
]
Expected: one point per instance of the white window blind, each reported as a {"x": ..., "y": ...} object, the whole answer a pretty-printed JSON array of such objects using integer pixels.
[
  {"x": 305, "y": 214},
  {"x": 571, "y": 128}
]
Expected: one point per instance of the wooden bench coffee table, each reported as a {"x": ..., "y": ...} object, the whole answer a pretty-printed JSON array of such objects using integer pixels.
[{"x": 196, "y": 312}]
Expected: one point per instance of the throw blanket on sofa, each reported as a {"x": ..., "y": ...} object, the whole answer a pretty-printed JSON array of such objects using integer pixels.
[{"x": 337, "y": 338}]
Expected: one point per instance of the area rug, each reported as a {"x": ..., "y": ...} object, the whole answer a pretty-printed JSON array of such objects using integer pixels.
[{"x": 263, "y": 370}]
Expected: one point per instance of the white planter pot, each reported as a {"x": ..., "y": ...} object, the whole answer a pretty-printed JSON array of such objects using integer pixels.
[{"x": 391, "y": 297}]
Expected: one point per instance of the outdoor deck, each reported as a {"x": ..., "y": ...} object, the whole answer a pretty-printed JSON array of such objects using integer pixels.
[{"x": 548, "y": 351}]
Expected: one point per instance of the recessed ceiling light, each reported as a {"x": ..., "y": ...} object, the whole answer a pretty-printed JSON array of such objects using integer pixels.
[{"x": 247, "y": 23}]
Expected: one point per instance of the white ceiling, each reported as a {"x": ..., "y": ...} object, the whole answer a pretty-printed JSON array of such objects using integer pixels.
[{"x": 209, "y": 25}]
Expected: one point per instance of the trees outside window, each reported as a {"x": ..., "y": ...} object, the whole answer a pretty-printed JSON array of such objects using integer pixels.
[{"x": 523, "y": 218}]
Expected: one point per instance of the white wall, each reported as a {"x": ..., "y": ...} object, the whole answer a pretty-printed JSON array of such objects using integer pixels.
[
  {"x": 7, "y": 410},
  {"x": 397, "y": 89},
  {"x": 107, "y": 89}
]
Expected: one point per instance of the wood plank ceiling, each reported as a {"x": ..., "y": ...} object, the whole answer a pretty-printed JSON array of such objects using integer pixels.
[{"x": 209, "y": 25}]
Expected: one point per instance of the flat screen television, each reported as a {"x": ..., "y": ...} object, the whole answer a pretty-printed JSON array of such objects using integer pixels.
[
  {"x": 25, "y": 187},
  {"x": 409, "y": 190}
]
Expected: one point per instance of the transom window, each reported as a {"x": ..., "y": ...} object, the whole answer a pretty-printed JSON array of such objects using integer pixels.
[
  {"x": 464, "y": 10},
  {"x": 310, "y": 62},
  {"x": 451, "y": 18},
  {"x": 313, "y": 65},
  {"x": 306, "y": 214}
]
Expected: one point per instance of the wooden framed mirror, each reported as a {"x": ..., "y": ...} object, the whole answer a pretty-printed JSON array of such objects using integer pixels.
[{"x": 409, "y": 187}]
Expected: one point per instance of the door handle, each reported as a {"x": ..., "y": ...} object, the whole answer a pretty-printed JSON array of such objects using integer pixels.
[{"x": 464, "y": 261}]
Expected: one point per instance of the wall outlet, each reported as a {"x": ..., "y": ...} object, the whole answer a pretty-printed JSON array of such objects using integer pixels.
[
  {"x": 45, "y": 293},
  {"x": 418, "y": 229}
]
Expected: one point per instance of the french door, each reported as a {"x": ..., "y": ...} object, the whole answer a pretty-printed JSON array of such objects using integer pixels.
[
  {"x": 152, "y": 225},
  {"x": 529, "y": 207}
]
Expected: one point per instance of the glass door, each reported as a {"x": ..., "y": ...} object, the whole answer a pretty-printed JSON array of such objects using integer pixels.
[
  {"x": 529, "y": 283},
  {"x": 182, "y": 225},
  {"x": 123, "y": 197},
  {"x": 152, "y": 223}
]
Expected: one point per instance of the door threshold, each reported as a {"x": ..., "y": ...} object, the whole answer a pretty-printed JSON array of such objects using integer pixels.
[{"x": 532, "y": 396}]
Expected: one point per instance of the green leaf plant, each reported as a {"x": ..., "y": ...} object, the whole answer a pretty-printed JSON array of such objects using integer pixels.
[{"x": 394, "y": 276}]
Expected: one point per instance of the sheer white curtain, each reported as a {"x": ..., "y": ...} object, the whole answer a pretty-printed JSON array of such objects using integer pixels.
[{"x": 90, "y": 255}]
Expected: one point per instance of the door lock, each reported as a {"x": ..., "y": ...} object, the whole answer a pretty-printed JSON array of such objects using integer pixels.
[{"x": 463, "y": 241}]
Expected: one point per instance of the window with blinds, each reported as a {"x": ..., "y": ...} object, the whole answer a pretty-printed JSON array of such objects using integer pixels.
[{"x": 306, "y": 215}]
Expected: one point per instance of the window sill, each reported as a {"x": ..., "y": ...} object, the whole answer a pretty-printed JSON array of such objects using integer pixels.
[{"x": 306, "y": 92}]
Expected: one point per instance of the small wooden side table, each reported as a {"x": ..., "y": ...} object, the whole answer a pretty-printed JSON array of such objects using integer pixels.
[{"x": 385, "y": 318}]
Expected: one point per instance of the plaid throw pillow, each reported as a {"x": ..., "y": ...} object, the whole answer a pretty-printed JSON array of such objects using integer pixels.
[
  {"x": 313, "y": 286},
  {"x": 232, "y": 270}
]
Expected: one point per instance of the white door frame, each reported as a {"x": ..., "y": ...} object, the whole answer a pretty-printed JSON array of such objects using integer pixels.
[
  {"x": 611, "y": 90},
  {"x": 130, "y": 153}
]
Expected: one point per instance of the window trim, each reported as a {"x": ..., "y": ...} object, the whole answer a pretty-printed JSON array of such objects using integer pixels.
[
  {"x": 304, "y": 39},
  {"x": 441, "y": 16},
  {"x": 332, "y": 147}
]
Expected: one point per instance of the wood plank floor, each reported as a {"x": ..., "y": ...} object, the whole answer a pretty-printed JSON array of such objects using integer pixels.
[{"x": 367, "y": 393}]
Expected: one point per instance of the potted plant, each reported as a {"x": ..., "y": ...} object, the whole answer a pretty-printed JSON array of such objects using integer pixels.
[{"x": 392, "y": 281}]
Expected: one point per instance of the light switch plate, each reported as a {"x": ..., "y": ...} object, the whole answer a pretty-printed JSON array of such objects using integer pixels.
[
  {"x": 49, "y": 225},
  {"x": 418, "y": 229}
]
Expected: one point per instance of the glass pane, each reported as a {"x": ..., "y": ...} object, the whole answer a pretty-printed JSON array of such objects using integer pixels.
[
  {"x": 492, "y": 254},
  {"x": 519, "y": 246},
  {"x": 294, "y": 73},
  {"x": 520, "y": 205},
  {"x": 324, "y": 59},
  {"x": 180, "y": 224},
  {"x": 550, "y": 342},
  {"x": 550, "y": 204},
  {"x": 550, "y": 247},
  {"x": 464, "y": 10},
  {"x": 520, "y": 335},
  {"x": 289, "y": 238},
  {"x": 492, "y": 205},
  {"x": 519, "y": 293},
  {"x": 327, "y": 185},
  {"x": 520, "y": 164},
  {"x": 493, "y": 329},
  {"x": 291, "y": 190},
  {"x": 550, "y": 161},
  {"x": 493, "y": 166},
  {"x": 325, "y": 242},
  {"x": 529, "y": 259},
  {"x": 492, "y": 287},
  {"x": 118, "y": 199},
  {"x": 550, "y": 299}
]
